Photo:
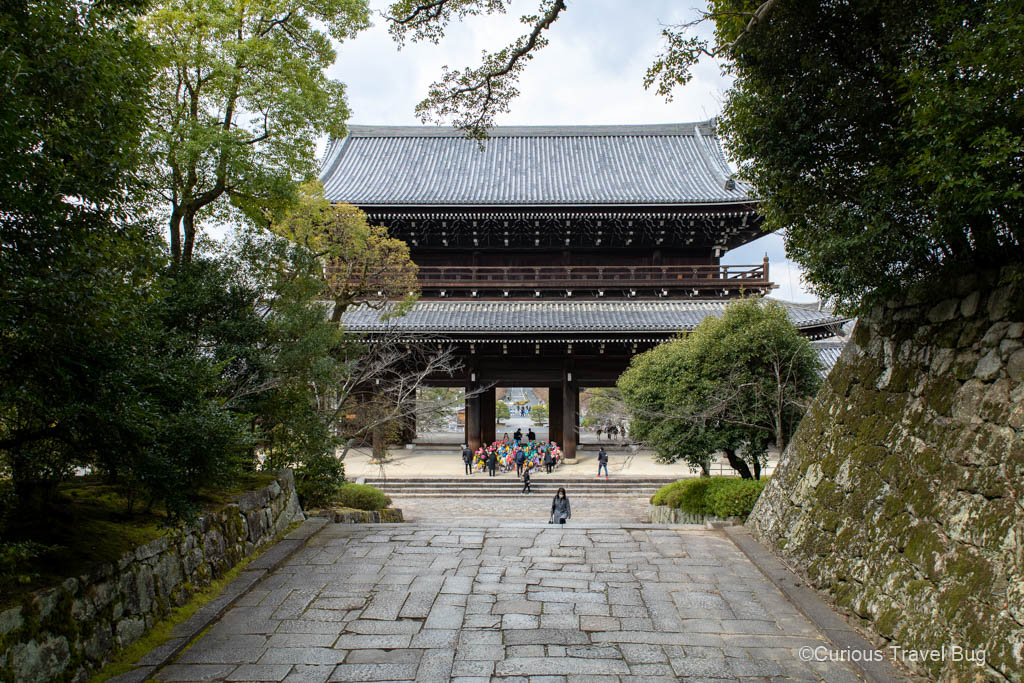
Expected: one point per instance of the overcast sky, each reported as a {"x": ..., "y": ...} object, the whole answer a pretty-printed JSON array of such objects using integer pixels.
[{"x": 590, "y": 73}]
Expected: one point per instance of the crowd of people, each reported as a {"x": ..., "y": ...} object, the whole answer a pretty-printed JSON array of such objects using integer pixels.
[{"x": 513, "y": 454}]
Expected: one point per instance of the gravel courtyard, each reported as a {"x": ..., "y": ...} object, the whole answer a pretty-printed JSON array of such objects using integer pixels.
[{"x": 431, "y": 601}]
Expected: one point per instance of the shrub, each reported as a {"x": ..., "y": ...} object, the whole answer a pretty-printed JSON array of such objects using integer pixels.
[
  {"x": 319, "y": 479},
  {"x": 15, "y": 558},
  {"x": 718, "y": 496},
  {"x": 735, "y": 500},
  {"x": 362, "y": 497},
  {"x": 659, "y": 496}
]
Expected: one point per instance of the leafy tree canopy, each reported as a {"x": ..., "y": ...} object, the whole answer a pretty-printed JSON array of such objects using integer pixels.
[
  {"x": 73, "y": 263},
  {"x": 884, "y": 138},
  {"x": 362, "y": 264},
  {"x": 241, "y": 98},
  {"x": 735, "y": 384}
]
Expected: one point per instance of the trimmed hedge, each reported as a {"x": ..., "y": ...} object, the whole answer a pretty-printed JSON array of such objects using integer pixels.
[
  {"x": 361, "y": 497},
  {"x": 718, "y": 496}
]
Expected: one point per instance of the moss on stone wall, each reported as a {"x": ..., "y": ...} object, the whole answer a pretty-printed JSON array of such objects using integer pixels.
[
  {"x": 902, "y": 492},
  {"x": 67, "y": 632}
]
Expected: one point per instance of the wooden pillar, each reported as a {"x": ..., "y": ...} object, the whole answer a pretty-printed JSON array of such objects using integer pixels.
[
  {"x": 570, "y": 415},
  {"x": 488, "y": 415},
  {"x": 555, "y": 415},
  {"x": 472, "y": 437}
]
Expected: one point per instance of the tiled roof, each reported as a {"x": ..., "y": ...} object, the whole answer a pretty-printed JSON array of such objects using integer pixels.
[
  {"x": 531, "y": 165},
  {"x": 828, "y": 353},
  {"x": 538, "y": 317}
]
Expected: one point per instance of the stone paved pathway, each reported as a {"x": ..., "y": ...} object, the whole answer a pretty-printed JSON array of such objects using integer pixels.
[
  {"x": 533, "y": 507},
  {"x": 511, "y": 602}
]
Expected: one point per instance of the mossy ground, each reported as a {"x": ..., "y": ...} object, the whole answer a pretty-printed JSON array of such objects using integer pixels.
[{"x": 87, "y": 524}]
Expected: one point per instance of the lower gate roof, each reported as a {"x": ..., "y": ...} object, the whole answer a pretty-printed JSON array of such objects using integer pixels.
[{"x": 445, "y": 319}]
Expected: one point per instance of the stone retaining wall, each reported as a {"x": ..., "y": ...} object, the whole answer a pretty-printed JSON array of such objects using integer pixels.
[
  {"x": 351, "y": 516},
  {"x": 902, "y": 492},
  {"x": 70, "y": 632},
  {"x": 665, "y": 514}
]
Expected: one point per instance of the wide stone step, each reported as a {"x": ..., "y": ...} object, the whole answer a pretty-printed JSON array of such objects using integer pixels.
[{"x": 479, "y": 478}]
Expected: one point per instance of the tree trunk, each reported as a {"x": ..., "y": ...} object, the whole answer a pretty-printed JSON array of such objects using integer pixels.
[
  {"x": 380, "y": 445},
  {"x": 737, "y": 464},
  {"x": 175, "y": 230},
  {"x": 757, "y": 468},
  {"x": 189, "y": 222}
]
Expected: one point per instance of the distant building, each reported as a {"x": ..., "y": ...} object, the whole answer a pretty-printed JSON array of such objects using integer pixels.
[{"x": 556, "y": 253}]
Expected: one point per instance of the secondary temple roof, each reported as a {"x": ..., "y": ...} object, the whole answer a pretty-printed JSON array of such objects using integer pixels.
[
  {"x": 667, "y": 164},
  {"x": 560, "y": 317}
]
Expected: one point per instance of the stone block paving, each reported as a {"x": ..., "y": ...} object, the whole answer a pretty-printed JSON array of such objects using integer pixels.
[
  {"x": 533, "y": 507},
  {"x": 510, "y": 602}
]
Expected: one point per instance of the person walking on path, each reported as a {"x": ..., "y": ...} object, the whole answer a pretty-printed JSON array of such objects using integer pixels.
[
  {"x": 526, "y": 480},
  {"x": 602, "y": 461},
  {"x": 560, "y": 510},
  {"x": 520, "y": 459},
  {"x": 549, "y": 461},
  {"x": 467, "y": 458},
  {"x": 492, "y": 462}
]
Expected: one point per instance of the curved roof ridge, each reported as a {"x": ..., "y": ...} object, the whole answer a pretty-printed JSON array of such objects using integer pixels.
[
  {"x": 655, "y": 164},
  {"x": 659, "y": 129}
]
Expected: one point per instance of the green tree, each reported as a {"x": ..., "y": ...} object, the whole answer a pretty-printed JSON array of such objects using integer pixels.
[
  {"x": 883, "y": 138},
  {"x": 501, "y": 411},
  {"x": 879, "y": 137},
  {"x": 73, "y": 263},
  {"x": 361, "y": 263},
  {"x": 539, "y": 413},
  {"x": 735, "y": 385},
  {"x": 241, "y": 98}
]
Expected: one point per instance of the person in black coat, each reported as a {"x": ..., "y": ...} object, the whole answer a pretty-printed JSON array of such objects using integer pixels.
[
  {"x": 492, "y": 462},
  {"x": 467, "y": 458},
  {"x": 602, "y": 461},
  {"x": 549, "y": 461},
  {"x": 530, "y": 436},
  {"x": 526, "y": 480},
  {"x": 560, "y": 509},
  {"x": 520, "y": 459},
  {"x": 518, "y": 436}
]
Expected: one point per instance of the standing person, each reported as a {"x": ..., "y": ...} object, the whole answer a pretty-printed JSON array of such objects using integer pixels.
[
  {"x": 560, "y": 510},
  {"x": 598, "y": 430},
  {"x": 492, "y": 462},
  {"x": 520, "y": 459},
  {"x": 526, "y": 480},
  {"x": 467, "y": 458},
  {"x": 530, "y": 436},
  {"x": 614, "y": 432},
  {"x": 549, "y": 461},
  {"x": 518, "y": 436},
  {"x": 602, "y": 461}
]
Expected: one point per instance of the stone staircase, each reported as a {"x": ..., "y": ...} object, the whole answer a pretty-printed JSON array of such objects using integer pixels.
[{"x": 481, "y": 486}]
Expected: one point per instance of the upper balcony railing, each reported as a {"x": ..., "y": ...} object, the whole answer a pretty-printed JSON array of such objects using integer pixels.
[{"x": 548, "y": 281}]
